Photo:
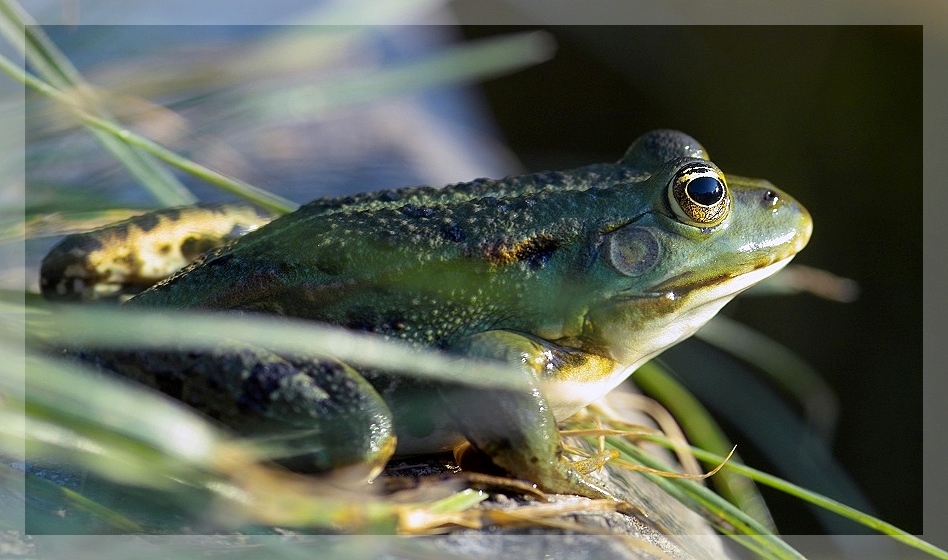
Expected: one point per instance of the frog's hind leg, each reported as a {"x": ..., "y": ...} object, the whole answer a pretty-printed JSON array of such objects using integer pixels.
[
  {"x": 311, "y": 415},
  {"x": 321, "y": 413}
]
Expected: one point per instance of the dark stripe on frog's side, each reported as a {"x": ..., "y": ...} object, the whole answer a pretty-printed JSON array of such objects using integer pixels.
[{"x": 535, "y": 251}]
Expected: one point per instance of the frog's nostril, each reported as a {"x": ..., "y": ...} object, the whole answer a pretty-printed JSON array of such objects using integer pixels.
[{"x": 771, "y": 198}]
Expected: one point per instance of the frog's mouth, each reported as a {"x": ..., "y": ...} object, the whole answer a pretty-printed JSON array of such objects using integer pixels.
[
  {"x": 711, "y": 288},
  {"x": 639, "y": 326}
]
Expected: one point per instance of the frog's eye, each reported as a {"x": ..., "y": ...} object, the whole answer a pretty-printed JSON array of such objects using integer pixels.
[{"x": 699, "y": 195}]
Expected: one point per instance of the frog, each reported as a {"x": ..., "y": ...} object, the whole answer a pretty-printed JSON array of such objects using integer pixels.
[{"x": 572, "y": 278}]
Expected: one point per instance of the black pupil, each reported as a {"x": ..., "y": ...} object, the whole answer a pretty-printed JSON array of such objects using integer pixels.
[{"x": 706, "y": 191}]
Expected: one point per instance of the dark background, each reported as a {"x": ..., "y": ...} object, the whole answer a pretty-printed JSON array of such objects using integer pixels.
[{"x": 831, "y": 114}]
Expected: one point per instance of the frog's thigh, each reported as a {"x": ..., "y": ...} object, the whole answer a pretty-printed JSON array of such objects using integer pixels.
[
  {"x": 322, "y": 410},
  {"x": 516, "y": 429}
]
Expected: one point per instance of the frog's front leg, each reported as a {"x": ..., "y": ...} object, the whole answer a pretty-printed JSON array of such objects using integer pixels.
[{"x": 517, "y": 429}]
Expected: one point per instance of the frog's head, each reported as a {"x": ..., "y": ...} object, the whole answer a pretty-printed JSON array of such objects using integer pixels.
[{"x": 703, "y": 239}]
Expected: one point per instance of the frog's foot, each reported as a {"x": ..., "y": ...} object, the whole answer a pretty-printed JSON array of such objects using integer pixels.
[
  {"x": 561, "y": 476},
  {"x": 572, "y": 475},
  {"x": 516, "y": 428},
  {"x": 518, "y": 432},
  {"x": 357, "y": 461}
]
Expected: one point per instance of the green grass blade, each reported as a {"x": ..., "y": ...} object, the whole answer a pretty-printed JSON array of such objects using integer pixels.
[
  {"x": 40, "y": 52},
  {"x": 265, "y": 199},
  {"x": 62, "y": 411},
  {"x": 781, "y": 366},
  {"x": 49, "y": 491},
  {"x": 819, "y": 500},
  {"x": 723, "y": 515},
  {"x": 272, "y": 202},
  {"x": 464, "y": 63},
  {"x": 79, "y": 327},
  {"x": 166, "y": 189},
  {"x": 134, "y": 437},
  {"x": 701, "y": 428},
  {"x": 55, "y": 69}
]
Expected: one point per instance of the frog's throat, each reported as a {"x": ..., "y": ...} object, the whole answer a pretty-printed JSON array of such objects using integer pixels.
[
  {"x": 695, "y": 307},
  {"x": 691, "y": 310}
]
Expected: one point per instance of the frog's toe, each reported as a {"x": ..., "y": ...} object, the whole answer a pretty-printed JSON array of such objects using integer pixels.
[{"x": 563, "y": 478}]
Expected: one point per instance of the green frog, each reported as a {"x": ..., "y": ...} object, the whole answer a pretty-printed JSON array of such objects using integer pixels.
[{"x": 573, "y": 278}]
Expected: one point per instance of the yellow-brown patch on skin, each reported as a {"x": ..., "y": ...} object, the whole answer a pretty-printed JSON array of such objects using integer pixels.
[
  {"x": 573, "y": 379},
  {"x": 131, "y": 255},
  {"x": 502, "y": 253},
  {"x": 585, "y": 367}
]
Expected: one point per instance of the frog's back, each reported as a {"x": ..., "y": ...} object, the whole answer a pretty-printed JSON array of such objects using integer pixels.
[
  {"x": 600, "y": 174},
  {"x": 392, "y": 269}
]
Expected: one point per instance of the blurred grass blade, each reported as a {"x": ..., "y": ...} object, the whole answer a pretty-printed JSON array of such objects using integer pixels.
[
  {"x": 254, "y": 194},
  {"x": 701, "y": 429},
  {"x": 799, "y": 278},
  {"x": 65, "y": 223},
  {"x": 467, "y": 62},
  {"x": 371, "y": 12},
  {"x": 781, "y": 366},
  {"x": 133, "y": 436},
  {"x": 119, "y": 430},
  {"x": 771, "y": 425},
  {"x": 55, "y": 69},
  {"x": 51, "y": 492},
  {"x": 75, "y": 326},
  {"x": 274, "y": 203}
]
